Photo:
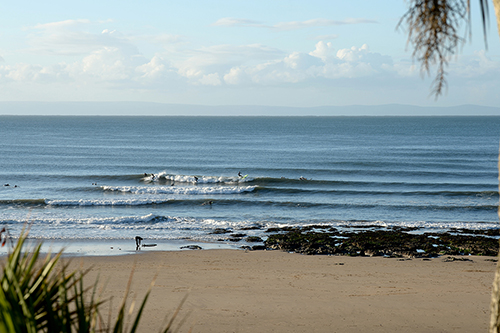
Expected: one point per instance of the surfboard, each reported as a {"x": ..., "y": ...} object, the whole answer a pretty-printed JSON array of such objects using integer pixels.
[{"x": 245, "y": 176}]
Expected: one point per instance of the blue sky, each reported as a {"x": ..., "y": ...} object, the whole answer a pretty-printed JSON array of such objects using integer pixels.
[{"x": 273, "y": 52}]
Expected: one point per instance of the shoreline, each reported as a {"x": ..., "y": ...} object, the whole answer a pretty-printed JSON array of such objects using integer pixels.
[
  {"x": 114, "y": 247},
  {"x": 312, "y": 240}
]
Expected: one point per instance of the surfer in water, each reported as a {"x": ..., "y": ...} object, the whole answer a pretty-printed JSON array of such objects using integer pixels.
[
  {"x": 195, "y": 179},
  {"x": 239, "y": 174}
]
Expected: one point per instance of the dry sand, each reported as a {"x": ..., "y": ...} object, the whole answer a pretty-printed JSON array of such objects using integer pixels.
[{"x": 272, "y": 291}]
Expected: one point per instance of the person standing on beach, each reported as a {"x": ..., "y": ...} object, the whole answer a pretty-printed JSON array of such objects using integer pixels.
[{"x": 138, "y": 241}]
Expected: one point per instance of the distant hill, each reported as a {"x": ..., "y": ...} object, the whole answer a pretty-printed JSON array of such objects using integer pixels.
[{"x": 160, "y": 109}]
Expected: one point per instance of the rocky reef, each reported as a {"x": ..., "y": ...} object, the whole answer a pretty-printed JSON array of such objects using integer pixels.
[{"x": 396, "y": 242}]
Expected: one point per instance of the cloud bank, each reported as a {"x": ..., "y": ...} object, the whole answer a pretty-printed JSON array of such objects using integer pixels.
[{"x": 100, "y": 58}]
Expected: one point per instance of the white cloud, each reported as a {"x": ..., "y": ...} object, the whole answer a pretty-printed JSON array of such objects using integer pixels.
[
  {"x": 326, "y": 37},
  {"x": 23, "y": 73},
  {"x": 220, "y": 58},
  {"x": 319, "y": 22},
  {"x": 61, "y": 25},
  {"x": 322, "y": 63},
  {"x": 236, "y": 76},
  {"x": 74, "y": 37},
  {"x": 324, "y": 51},
  {"x": 211, "y": 80},
  {"x": 478, "y": 65},
  {"x": 211, "y": 66},
  {"x": 167, "y": 38},
  {"x": 293, "y": 25},
  {"x": 109, "y": 63},
  {"x": 236, "y": 22},
  {"x": 153, "y": 69},
  {"x": 301, "y": 61}
]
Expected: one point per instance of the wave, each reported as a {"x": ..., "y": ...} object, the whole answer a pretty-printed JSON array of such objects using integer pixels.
[
  {"x": 23, "y": 202},
  {"x": 106, "y": 202},
  {"x": 191, "y": 190},
  {"x": 193, "y": 179},
  {"x": 151, "y": 199},
  {"x": 275, "y": 204},
  {"x": 165, "y": 178},
  {"x": 372, "y": 193},
  {"x": 157, "y": 226},
  {"x": 267, "y": 181}
]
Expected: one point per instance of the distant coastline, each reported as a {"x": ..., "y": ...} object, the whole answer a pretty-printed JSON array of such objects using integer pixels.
[{"x": 161, "y": 109}]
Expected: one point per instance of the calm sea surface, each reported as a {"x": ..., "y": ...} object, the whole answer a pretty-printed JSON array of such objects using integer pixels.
[{"x": 84, "y": 177}]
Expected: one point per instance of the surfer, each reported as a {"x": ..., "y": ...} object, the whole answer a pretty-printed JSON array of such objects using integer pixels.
[
  {"x": 239, "y": 174},
  {"x": 195, "y": 179},
  {"x": 138, "y": 241}
]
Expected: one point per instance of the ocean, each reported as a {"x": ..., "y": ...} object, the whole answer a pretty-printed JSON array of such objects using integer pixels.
[{"x": 177, "y": 178}]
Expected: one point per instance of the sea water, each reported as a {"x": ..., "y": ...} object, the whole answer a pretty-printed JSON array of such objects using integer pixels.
[{"x": 174, "y": 178}]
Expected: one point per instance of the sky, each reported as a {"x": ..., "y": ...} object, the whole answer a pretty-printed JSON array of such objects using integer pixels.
[{"x": 273, "y": 52}]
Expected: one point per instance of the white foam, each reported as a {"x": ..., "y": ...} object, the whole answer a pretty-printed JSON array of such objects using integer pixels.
[
  {"x": 191, "y": 190},
  {"x": 196, "y": 179}
]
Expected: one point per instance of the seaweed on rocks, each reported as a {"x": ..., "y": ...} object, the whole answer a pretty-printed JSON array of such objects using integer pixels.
[
  {"x": 219, "y": 231},
  {"x": 300, "y": 242},
  {"x": 253, "y": 239},
  {"x": 477, "y": 245},
  {"x": 488, "y": 232},
  {"x": 393, "y": 242}
]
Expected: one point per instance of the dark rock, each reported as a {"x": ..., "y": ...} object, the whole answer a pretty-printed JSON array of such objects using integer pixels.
[
  {"x": 450, "y": 259},
  {"x": 253, "y": 239},
  {"x": 192, "y": 247},
  {"x": 255, "y": 227},
  {"x": 221, "y": 231},
  {"x": 281, "y": 229}
]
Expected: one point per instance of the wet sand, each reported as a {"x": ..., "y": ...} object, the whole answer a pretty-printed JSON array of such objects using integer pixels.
[{"x": 273, "y": 291}]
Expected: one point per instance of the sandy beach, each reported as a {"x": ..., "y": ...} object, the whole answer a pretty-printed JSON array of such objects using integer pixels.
[{"x": 274, "y": 291}]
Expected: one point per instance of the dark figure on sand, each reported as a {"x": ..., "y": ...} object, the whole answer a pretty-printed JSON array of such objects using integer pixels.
[{"x": 138, "y": 241}]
